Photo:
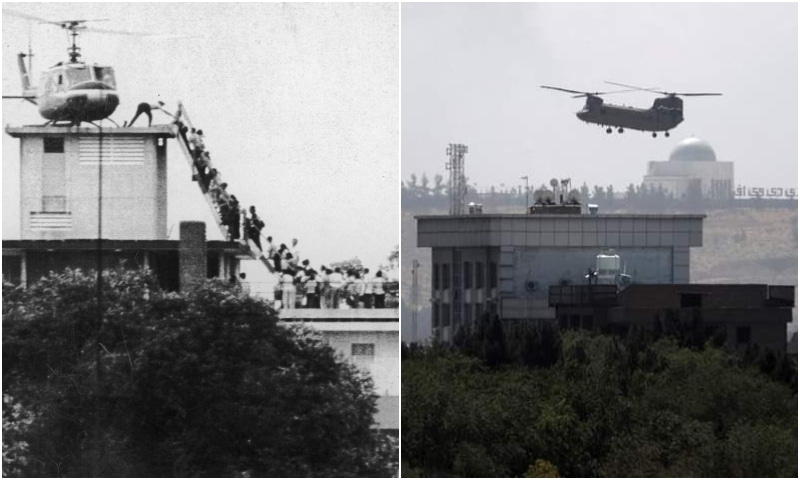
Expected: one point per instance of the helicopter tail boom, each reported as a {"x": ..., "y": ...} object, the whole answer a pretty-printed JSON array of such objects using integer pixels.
[{"x": 27, "y": 89}]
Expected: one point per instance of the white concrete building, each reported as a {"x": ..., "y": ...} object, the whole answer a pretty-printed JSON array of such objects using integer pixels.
[
  {"x": 692, "y": 171},
  {"x": 369, "y": 338}
]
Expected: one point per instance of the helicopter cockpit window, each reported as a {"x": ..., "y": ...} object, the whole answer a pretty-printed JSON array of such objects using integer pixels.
[
  {"x": 105, "y": 75},
  {"x": 78, "y": 75}
]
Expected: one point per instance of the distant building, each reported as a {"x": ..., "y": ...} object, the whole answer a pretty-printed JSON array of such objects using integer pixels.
[{"x": 692, "y": 171}]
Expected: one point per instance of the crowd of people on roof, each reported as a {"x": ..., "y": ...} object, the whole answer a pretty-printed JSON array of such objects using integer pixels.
[
  {"x": 299, "y": 285},
  {"x": 304, "y": 287}
]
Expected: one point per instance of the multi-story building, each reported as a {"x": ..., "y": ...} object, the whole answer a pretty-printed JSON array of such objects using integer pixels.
[
  {"x": 593, "y": 271},
  {"x": 91, "y": 195},
  {"x": 505, "y": 264},
  {"x": 98, "y": 199}
]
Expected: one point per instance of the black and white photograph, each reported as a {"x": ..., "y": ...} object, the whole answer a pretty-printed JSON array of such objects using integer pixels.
[
  {"x": 599, "y": 239},
  {"x": 201, "y": 239}
]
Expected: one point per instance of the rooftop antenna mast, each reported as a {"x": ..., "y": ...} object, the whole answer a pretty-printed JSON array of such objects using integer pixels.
[{"x": 458, "y": 182}]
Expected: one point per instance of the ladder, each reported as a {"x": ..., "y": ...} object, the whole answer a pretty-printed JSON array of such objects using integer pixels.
[{"x": 183, "y": 117}]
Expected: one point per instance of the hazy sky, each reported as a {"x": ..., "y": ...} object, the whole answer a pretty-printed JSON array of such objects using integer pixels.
[
  {"x": 471, "y": 74},
  {"x": 299, "y": 104}
]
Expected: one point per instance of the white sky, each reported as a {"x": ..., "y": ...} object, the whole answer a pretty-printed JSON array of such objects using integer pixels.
[
  {"x": 299, "y": 104},
  {"x": 471, "y": 74}
]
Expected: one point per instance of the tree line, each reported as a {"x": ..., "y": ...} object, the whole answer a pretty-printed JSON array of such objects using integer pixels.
[
  {"x": 111, "y": 376},
  {"x": 420, "y": 192},
  {"x": 543, "y": 403}
]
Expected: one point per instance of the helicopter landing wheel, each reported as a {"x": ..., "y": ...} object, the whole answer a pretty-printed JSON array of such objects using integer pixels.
[
  {"x": 608, "y": 130},
  {"x": 655, "y": 134},
  {"x": 620, "y": 130},
  {"x": 666, "y": 134}
]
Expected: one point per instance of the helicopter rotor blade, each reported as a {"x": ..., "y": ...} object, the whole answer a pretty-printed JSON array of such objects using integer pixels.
[
  {"x": 696, "y": 94},
  {"x": 14, "y": 13},
  {"x": 678, "y": 94},
  {"x": 563, "y": 89},
  {"x": 634, "y": 87},
  {"x": 598, "y": 94}
]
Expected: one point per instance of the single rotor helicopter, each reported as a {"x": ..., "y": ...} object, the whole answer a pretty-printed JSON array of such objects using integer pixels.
[
  {"x": 72, "y": 91},
  {"x": 665, "y": 114}
]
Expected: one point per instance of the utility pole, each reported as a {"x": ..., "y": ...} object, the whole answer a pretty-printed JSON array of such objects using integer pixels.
[
  {"x": 414, "y": 299},
  {"x": 527, "y": 192}
]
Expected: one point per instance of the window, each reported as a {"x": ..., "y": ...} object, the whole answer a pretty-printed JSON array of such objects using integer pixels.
[
  {"x": 436, "y": 320},
  {"x": 54, "y": 180},
  {"x": 478, "y": 311},
  {"x": 77, "y": 75},
  {"x": 742, "y": 334},
  {"x": 53, "y": 144},
  {"x": 436, "y": 276},
  {"x": 479, "y": 278},
  {"x": 468, "y": 314},
  {"x": 467, "y": 275},
  {"x": 445, "y": 276},
  {"x": 105, "y": 75},
  {"x": 445, "y": 314},
  {"x": 492, "y": 275},
  {"x": 363, "y": 349}
]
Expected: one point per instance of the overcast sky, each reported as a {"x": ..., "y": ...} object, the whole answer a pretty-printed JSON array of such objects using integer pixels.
[
  {"x": 471, "y": 74},
  {"x": 299, "y": 104}
]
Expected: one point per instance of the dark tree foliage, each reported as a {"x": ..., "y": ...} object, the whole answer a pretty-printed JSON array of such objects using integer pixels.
[
  {"x": 160, "y": 384},
  {"x": 607, "y": 406}
]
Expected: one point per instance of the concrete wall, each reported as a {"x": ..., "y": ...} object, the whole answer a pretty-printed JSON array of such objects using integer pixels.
[
  {"x": 134, "y": 184},
  {"x": 383, "y": 367},
  {"x": 597, "y": 231}
]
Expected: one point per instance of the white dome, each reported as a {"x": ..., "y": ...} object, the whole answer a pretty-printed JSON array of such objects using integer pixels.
[{"x": 693, "y": 150}]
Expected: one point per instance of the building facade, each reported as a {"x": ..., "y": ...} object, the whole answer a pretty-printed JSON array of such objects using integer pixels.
[
  {"x": 505, "y": 264},
  {"x": 98, "y": 198},
  {"x": 742, "y": 314},
  {"x": 368, "y": 338},
  {"x": 692, "y": 172}
]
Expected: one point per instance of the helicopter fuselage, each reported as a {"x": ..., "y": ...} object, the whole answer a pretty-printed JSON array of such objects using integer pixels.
[
  {"x": 77, "y": 92},
  {"x": 665, "y": 114}
]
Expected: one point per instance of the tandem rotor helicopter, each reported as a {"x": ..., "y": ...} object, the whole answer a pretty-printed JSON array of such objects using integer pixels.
[
  {"x": 71, "y": 91},
  {"x": 665, "y": 114}
]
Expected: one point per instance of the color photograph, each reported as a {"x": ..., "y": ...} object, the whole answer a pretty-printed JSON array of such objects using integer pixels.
[{"x": 599, "y": 240}]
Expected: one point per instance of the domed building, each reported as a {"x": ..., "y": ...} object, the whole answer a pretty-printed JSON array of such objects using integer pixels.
[{"x": 692, "y": 171}]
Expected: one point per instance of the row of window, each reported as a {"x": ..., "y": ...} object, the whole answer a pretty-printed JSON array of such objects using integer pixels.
[
  {"x": 441, "y": 314},
  {"x": 442, "y": 278}
]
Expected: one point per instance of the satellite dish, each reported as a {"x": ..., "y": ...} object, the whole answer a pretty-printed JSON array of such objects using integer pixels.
[
  {"x": 574, "y": 196},
  {"x": 543, "y": 196},
  {"x": 553, "y": 182}
]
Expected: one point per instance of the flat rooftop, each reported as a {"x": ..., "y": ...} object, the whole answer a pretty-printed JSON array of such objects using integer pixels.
[
  {"x": 340, "y": 315},
  {"x": 560, "y": 230},
  {"x": 11, "y": 246},
  {"x": 164, "y": 131}
]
